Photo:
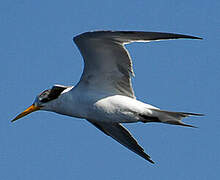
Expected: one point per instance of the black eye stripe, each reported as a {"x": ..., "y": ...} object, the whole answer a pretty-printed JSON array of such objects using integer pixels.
[
  {"x": 55, "y": 92},
  {"x": 45, "y": 93},
  {"x": 44, "y": 96},
  {"x": 51, "y": 94}
]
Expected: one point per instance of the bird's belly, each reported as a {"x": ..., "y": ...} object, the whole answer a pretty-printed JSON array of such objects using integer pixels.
[
  {"x": 101, "y": 115},
  {"x": 99, "y": 111},
  {"x": 113, "y": 109}
]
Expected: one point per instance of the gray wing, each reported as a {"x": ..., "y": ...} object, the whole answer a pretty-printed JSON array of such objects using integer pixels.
[
  {"x": 122, "y": 135},
  {"x": 108, "y": 66}
]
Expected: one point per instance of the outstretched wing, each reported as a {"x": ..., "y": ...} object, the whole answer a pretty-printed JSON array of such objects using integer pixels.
[
  {"x": 108, "y": 66},
  {"x": 123, "y": 136}
]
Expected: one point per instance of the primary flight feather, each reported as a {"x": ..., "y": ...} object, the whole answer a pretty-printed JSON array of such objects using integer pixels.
[{"x": 104, "y": 95}]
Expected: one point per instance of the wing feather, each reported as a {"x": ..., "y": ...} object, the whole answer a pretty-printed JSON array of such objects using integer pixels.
[
  {"x": 107, "y": 63},
  {"x": 123, "y": 136}
]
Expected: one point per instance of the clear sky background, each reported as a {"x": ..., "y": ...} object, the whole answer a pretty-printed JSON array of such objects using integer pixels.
[{"x": 36, "y": 51}]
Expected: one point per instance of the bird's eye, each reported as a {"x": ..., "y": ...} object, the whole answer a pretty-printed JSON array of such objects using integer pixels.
[
  {"x": 44, "y": 96},
  {"x": 51, "y": 94}
]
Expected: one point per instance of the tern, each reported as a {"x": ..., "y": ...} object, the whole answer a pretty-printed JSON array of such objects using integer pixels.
[{"x": 104, "y": 95}]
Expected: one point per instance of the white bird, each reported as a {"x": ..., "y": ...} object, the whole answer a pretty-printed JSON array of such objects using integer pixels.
[{"x": 104, "y": 94}]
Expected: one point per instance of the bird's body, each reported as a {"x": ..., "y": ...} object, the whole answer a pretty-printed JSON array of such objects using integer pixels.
[
  {"x": 100, "y": 107},
  {"x": 104, "y": 95}
]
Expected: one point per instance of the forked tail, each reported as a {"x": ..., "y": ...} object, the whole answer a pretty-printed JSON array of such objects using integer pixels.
[{"x": 169, "y": 117}]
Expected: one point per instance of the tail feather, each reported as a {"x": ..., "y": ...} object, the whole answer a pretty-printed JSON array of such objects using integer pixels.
[
  {"x": 186, "y": 114},
  {"x": 170, "y": 117},
  {"x": 180, "y": 123}
]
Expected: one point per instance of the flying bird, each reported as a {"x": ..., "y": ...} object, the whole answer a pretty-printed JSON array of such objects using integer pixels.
[{"x": 104, "y": 95}]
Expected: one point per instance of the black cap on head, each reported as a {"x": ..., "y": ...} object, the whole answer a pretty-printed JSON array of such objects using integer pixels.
[{"x": 51, "y": 94}]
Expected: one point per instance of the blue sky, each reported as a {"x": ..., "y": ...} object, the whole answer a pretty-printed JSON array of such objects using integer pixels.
[{"x": 37, "y": 51}]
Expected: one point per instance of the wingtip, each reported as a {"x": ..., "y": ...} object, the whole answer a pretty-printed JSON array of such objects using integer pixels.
[
  {"x": 199, "y": 38},
  {"x": 151, "y": 161},
  {"x": 193, "y": 37},
  {"x": 148, "y": 158}
]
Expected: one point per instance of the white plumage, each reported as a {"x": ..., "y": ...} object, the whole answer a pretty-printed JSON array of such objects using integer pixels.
[{"x": 104, "y": 95}]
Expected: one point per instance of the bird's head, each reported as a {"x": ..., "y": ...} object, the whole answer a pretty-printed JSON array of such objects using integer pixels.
[{"x": 43, "y": 100}]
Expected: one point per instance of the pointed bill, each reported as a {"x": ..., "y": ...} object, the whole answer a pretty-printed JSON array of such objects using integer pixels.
[{"x": 29, "y": 110}]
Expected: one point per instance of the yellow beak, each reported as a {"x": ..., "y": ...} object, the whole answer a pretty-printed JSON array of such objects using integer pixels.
[{"x": 29, "y": 110}]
